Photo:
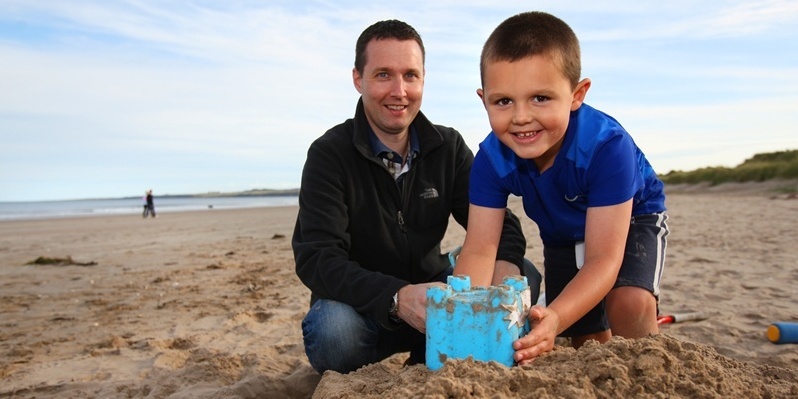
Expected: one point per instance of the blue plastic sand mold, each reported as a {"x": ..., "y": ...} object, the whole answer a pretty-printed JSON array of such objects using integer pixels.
[{"x": 480, "y": 323}]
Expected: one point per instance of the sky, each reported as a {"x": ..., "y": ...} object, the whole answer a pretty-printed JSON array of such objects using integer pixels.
[{"x": 106, "y": 99}]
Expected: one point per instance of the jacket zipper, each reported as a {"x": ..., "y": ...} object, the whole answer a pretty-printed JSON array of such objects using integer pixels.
[
  {"x": 403, "y": 203},
  {"x": 404, "y": 198}
]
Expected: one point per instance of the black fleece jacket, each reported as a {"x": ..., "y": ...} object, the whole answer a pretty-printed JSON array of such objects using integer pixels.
[{"x": 358, "y": 239}]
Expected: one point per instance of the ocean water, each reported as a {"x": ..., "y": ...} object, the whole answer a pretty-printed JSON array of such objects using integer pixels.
[{"x": 123, "y": 206}]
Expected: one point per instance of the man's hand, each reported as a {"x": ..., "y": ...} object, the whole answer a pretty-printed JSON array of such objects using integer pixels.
[
  {"x": 413, "y": 305},
  {"x": 540, "y": 340}
]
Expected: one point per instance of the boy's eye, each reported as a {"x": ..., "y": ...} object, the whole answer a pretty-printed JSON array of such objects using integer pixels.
[
  {"x": 504, "y": 101},
  {"x": 540, "y": 99}
]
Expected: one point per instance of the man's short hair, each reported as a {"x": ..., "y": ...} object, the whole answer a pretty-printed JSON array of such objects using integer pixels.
[
  {"x": 389, "y": 29},
  {"x": 534, "y": 33}
]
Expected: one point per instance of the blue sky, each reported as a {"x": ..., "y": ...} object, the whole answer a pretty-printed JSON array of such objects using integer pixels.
[{"x": 110, "y": 98}]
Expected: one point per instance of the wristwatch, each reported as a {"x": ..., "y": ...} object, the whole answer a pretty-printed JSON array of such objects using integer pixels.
[{"x": 394, "y": 309}]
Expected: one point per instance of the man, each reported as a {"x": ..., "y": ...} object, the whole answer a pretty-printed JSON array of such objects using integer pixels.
[{"x": 376, "y": 196}]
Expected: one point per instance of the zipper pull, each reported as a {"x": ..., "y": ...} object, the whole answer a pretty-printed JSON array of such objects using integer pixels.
[{"x": 401, "y": 220}]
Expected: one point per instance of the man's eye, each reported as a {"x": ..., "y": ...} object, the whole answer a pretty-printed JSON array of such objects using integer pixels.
[{"x": 382, "y": 75}]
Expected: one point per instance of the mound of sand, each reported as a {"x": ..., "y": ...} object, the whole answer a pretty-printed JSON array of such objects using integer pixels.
[{"x": 655, "y": 367}]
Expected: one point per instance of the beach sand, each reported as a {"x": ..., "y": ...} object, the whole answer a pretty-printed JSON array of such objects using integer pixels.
[{"x": 207, "y": 305}]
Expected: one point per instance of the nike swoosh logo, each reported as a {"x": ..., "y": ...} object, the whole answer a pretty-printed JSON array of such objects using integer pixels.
[{"x": 571, "y": 199}]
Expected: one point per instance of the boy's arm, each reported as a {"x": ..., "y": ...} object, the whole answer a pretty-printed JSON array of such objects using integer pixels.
[
  {"x": 478, "y": 256},
  {"x": 606, "y": 229},
  {"x": 605, "y": 240},
  {"x": 512, "y": 243}
]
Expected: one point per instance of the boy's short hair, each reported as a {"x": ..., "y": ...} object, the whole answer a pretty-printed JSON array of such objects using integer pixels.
[
  {"x": 534, "y": 33},
  {"x": 389, "y": 29}
]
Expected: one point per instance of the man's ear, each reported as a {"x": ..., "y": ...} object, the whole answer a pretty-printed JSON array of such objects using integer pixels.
[
  {"x": 579, "y": 93},
  {"x": 357, "y": 80},
  {"x": 481, "y": 94}
]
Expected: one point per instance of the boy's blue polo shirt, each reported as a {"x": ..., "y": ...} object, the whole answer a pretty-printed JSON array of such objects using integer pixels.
[{"x": 598, "y": 165}]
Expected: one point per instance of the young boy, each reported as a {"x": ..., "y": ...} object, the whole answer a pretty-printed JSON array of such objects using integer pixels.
[{"x": 598, "y": 204}]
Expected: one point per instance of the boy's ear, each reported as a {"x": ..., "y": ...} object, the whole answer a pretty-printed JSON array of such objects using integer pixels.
[
  {"x": 579, "y": 94},
  {"x": 481, "y": 95},
  {"x": 357, "y": 79}
]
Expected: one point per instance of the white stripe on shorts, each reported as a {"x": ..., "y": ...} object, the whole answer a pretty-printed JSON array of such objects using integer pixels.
[{"x": 661, "y": 247}]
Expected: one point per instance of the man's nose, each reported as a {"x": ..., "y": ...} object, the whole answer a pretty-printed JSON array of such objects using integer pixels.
[{"x": 399, "y": 87}]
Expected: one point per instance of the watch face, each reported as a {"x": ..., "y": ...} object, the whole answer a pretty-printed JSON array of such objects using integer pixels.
[{"x": 394, "y": 304}]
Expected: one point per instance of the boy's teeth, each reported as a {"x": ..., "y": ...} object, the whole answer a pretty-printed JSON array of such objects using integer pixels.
[{"x": 524, "y": 135}]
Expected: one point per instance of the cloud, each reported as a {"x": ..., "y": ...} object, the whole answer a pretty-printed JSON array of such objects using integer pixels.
[{"x": 107, "y": 98}]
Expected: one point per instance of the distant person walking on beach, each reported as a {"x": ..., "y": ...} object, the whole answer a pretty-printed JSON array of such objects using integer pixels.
[{"x": 149, "y": 207}]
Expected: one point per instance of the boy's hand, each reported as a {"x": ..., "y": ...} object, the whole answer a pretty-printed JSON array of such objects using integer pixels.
[
  {"x": 413, "y": 305},
  {"x": 540, "y": 340}
]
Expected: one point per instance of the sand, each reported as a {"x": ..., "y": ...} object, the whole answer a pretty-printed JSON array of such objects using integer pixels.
[{"x": 207, "y": 305}]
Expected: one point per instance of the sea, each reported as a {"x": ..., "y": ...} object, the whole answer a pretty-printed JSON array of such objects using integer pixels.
[{"x": 131, "y": 206}]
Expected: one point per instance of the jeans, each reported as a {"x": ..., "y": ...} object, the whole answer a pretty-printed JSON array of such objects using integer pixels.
[{"x": 340, "y": 339}]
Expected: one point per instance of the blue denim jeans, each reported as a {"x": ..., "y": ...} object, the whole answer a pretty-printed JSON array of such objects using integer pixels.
[{"x": 339, "y": 338}]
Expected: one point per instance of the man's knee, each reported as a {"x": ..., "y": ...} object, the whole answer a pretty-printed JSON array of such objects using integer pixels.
[{"x": 336, "y": 337}]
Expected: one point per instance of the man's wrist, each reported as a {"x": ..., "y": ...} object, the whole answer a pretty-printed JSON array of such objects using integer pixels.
[{"x": 393, "y": 310}]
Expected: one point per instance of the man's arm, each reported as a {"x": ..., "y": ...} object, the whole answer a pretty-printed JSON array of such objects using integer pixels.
[{"x": 321, "y": 241}]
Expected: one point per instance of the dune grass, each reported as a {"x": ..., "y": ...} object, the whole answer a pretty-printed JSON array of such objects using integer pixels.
[{"x": 759, "y": 168}]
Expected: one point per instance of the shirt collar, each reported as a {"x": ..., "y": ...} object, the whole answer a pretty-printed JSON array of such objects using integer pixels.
[{"x": 379, "y": 148}]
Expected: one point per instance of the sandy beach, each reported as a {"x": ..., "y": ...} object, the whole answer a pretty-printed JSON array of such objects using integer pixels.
[{"x": 207, "y": 305}]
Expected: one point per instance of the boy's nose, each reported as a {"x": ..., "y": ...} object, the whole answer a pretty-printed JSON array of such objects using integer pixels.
[{"x": 522, "y": 115}]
